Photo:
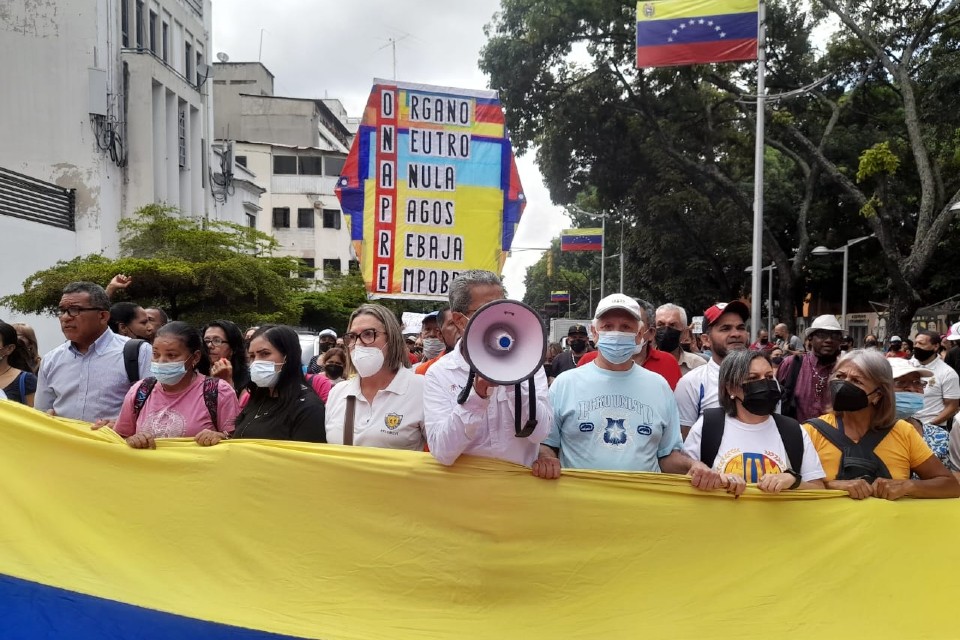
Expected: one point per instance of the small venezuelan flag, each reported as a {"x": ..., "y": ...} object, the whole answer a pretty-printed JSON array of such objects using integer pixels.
[
  {"x": 559, "y": 296},
  {"x": 683, "y": 32},
  {"x": 581, "y": 240}
]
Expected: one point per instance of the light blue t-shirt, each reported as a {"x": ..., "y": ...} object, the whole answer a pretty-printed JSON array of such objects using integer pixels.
[{"x": 613, "y": 420}]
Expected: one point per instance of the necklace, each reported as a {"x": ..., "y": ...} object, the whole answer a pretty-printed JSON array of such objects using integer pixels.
[
  {"x": 821, "y": 383},
  {"x": 259, "y": 412}
]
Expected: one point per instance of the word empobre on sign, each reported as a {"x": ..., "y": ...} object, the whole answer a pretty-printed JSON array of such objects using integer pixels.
[
  {"x": 434, "y": 282},
  {"x": 439, "y": 143},
  {"x": 433, "y": 246},
  {"x": 436, "y": 213},
  {"x": 441, "y": 110},
  {"x": 431, "y": 177}
]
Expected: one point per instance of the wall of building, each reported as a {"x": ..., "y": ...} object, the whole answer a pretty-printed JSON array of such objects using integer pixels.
[{"x": 230, "y": 79}]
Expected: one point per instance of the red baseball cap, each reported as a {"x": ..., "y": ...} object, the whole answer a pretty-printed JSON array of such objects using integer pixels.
[{"x": 713, "y": 314}]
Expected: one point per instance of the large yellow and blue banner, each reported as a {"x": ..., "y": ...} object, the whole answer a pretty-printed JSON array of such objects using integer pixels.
[
  {"x": 430, "y": 188},
  {"x": 290, "y": 540}
]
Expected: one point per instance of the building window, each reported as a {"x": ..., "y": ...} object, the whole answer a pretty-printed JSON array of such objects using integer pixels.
[
  {"x": 153, "y": 33},
  {"x": 187, "y": 61},
  {"x": 331, "y": 219},
  {"x": 252, "y": 220},
  {"x": 199, "y": 65},
  {"x": 164, "y": 42},
  {"x": 331, "y": 267},
  {"x": 309, "y": 269},
  {"x": 281, "y": 217},
  {"x": 311, "y": 166},
  {"x": 182, "y": 137},
  {"x": 305, "y": 218},
  {"x": 333, "y": 166},
  {"x": 138, "y": 16},
  {"x": 125, "y": 22},
  {"x": 285, "y": 165},
  {"x": 241, "y": 160}
]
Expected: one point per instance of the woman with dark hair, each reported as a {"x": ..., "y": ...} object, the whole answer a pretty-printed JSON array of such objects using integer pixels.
[
  {"x": 27, "y": 336},
  {"x": 387, "y": 394},
  {"x": 130, "y": 320},
  {"x": 16, "y": 377},
  {"x": 281, "y": 405},
  {"x": 227, "y": 354},
  {"x": 744, "y": 440},
  {"x": 178, "y": 400},
  {"x": 865, "y": 450}
]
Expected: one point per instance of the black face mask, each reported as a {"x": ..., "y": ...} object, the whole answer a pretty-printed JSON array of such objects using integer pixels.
[
  {"x": 760, "y": 397},
  {"x": 848, "y": 396},
  {"x": 764, "y": 341},
  {"x": 333, "y": 371},
  {"x": 686, "y": 347},
  {"x": 777, "y": 360},
  {"x": 923, "y": 354},
  {"x": 668, "y": 338},
  {"x": 578, "y": 345},
  {"x": 325, "y": 346}
]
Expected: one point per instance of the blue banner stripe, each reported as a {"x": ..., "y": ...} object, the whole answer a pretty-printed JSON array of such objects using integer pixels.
[
  {"x": 731, "y": 26},
  {"x": 32, "y": 611}
]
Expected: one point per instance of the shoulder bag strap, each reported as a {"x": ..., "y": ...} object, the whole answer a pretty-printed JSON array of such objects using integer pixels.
[{"x": 348, "y": 420}]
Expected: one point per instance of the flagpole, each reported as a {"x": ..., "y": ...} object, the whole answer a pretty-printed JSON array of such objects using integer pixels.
[
  {"x": 758, "y": 172},
  {"x": 603, "y": 250}
]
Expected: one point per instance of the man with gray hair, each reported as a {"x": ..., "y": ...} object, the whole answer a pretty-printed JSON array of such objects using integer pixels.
[
  {"x": 85, "y": 378},
  {"x": 484, "y": 424},
  {"x": 671, "y": 324}
]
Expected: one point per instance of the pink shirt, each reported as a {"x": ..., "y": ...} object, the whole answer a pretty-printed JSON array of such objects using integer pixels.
[{"x": 178, "y": 415}]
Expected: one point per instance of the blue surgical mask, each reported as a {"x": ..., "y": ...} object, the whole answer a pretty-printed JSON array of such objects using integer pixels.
[
  {"x": 263, "y": 373},
  {"x": 617, "y": 347},
  {"x": 168, "y": 372},
  {"x": 908, "y": 403}
]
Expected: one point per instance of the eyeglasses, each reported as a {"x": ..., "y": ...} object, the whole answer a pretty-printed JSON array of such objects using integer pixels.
[
  {"x": 75, "y": 311},
  {"x": 827, "y": 335},
  {"x": 214, "y": 342},
  {"x": 922, "y": 384},
  {"x": 367, "y": 337}
]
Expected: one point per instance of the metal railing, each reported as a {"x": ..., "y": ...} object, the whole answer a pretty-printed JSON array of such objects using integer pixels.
[{"x": 37, "y": 201}]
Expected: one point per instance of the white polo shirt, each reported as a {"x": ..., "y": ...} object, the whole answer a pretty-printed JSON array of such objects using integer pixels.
[
  {"x": 697, "y": 391},
  {"x": 944, "y": 385},
  {"x": 394, "y": 420}
]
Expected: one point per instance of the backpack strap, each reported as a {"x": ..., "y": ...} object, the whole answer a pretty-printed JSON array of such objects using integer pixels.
[
  {"x": 131, "y": 359},
  {"x": 714, "y": 421},
  {"x": 840, "y": 440},
  {"x": 791, "y": 433},
  {"x": 211, "y": 394},
  {"x": 836, "y": 437},
  {"x": 143, "y": 392}
]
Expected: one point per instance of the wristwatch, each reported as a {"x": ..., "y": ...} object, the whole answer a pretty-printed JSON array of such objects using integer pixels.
[{"x": 797, "y": 478}]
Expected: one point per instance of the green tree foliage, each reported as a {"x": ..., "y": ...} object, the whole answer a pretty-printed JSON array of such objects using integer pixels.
[
  {"x": 197, "y": 270},
  {"x": 671, "y": 150}
]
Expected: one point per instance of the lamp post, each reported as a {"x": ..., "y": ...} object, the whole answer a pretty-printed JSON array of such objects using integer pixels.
[
  {"x": 769, "y": 269},
  {"x": 845, "y": 250}
]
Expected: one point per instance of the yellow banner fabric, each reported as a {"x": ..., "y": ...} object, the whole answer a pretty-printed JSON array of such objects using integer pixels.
[{"x": 334, "y": 542}]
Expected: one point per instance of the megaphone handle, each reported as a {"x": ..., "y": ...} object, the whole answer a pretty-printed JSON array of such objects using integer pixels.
[
  {"x": 532, "y": 422},
  {"x": 466, "y": 389}
]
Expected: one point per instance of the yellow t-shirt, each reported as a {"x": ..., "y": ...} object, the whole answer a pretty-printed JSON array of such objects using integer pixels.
[{"x": 902, "y": 450}]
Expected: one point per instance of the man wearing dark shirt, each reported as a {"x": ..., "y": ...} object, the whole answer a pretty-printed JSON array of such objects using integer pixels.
[{"x": 569, "y": 359}]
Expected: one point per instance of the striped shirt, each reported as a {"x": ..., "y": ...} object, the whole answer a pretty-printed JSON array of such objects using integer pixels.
[{"x": 87, "y": 386}]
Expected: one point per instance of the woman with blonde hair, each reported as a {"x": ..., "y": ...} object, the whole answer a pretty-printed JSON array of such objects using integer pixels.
[
  {"x": 864, "y": 449},
  {"x": 384, "y": 401}
]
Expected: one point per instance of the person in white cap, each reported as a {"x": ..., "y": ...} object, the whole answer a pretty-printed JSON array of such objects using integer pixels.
[
  {"x": 896, "y": 348},
  {"x": 941, "y": 398},
  {"x": 615, "y": 415},
  {"x": 327, "y": 339},
  {"x": 909, "y": 383},
  {"x": 804, "y": 377},
  {"x": 952, "y": 357}
]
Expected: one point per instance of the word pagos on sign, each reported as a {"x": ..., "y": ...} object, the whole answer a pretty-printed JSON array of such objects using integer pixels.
[{"x": 430, "y": 188}]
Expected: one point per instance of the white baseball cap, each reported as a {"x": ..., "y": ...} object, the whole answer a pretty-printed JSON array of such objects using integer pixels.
[
  {"x": 896, "y": 339},
  {"x": 618, "y": 301},
  {"x": 954, "y": 333},
  {"x": 328, "y": 332}
]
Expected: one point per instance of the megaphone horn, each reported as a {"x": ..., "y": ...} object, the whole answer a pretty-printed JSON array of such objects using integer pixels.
[{"x": 505, "y": 342}]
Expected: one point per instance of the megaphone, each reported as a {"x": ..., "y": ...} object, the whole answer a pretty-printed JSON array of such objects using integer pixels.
[{"x": 505, "y": 342}]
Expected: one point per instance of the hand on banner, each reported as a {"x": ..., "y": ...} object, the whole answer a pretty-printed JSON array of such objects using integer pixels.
[
  {"x": 776, "y": 482},
  {"x": 141, "y": 441},
  {"x": 546, "y": 468},
  {"x": 891, "y": 489},
  {"x": 856, "y": 489},
  {"x": 101, "y": 423},
  {"x": 208, "y": 438},
  {"x": 704, "y": 478},
  {"x": 733, "y": 483}
]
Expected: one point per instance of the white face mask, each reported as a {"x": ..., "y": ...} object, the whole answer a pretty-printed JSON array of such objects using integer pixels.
[
  {"x": 367, "y": 360},
  {"x": 264, "y": 373}
]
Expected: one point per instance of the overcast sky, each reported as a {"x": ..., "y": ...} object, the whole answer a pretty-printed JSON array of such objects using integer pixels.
[{"x": 334, "y": 49}]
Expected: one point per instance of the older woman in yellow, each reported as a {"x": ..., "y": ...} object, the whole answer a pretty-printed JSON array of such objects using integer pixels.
[{"x": 863, "y": 448}]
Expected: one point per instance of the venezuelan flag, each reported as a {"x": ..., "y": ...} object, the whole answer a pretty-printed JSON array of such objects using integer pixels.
[
  {"x": 581, "y": 240},
  {"x": 683, "y": 32},
  {"x": 559, "y": 296}
]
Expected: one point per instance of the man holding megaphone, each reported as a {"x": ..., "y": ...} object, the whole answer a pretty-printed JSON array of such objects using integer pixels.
[{"x": 477, "y": 399}]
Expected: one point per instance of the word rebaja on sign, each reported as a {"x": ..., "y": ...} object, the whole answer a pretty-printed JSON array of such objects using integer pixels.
[{"x": 430, "y": 188}]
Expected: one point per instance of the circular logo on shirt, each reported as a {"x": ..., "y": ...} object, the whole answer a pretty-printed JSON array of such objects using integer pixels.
[
  {"x": 750, "y": 466},
  {"x": 165, "y": 424},
  {"x": 392, "y": 420}
]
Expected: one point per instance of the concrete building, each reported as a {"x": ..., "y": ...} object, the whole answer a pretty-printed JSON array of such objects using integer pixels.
[
  {"x": 108, "y": 100},
  {"x": 295, "y": 148}
]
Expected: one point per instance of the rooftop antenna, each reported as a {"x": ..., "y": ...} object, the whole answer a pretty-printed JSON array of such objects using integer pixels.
[
  {"x": 223, "y": 57},
  {"x": 260, "y": 54},
  {"x": 392, "y": 43}
]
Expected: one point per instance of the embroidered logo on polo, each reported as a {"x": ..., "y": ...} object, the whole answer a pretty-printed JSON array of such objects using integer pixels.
[{"x": 392, "y": 420}]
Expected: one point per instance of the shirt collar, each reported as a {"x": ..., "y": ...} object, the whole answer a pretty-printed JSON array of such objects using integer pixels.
[
  {"x": 98, "y": 345},
  {"x": 397, "y": 386}
]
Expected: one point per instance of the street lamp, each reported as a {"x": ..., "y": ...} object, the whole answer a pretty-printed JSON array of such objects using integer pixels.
[
  {"x": 769, "y": 268},
  {"x": 845, "y": 250}
]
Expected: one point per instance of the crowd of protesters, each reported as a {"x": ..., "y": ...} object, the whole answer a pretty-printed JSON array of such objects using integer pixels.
[{"x": 636, "y": 390}]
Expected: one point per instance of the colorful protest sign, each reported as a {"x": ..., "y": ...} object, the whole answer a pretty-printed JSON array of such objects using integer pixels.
[{"x": 430, "y": 188}]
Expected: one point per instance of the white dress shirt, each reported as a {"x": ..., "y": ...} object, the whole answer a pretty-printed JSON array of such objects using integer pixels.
[{"x": 480, "y": 426}]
